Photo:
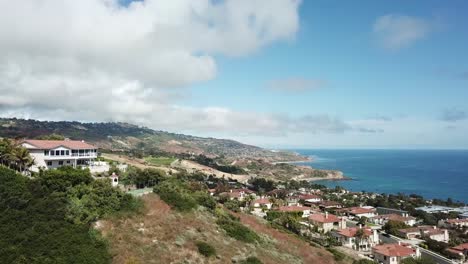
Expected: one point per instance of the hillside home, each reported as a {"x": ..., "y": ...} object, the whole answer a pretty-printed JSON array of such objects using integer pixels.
[
  {"x": 431, "y": 232},
  {"x": 394, "y": 253},
  {"x": 329, "y": 205},
  {"x": 357, "y": 238},
  {"x": 310, "y": 198},
  {"x": 262, "y": 203},
  {"x": 49, "y": 154},
  {"x": 303, "y": 209},
  {"x": 461, "y": 251},
  {"x": 327, "y": 222},
  {"x": 387, "y": 211},
  {"x": 453, "y": 223},
  {"x": 383, "y": 219},
  {"x": 358, "y": 212}
]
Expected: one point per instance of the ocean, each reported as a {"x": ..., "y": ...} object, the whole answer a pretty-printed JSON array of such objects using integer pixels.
[{"x": 430, "y": 173}]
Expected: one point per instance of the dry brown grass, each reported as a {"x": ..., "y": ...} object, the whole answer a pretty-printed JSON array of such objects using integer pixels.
[{"x": 162, "y": 235}]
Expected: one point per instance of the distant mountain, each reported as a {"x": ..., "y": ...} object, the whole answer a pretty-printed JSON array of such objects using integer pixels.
[{"x": 124, "y": 137}]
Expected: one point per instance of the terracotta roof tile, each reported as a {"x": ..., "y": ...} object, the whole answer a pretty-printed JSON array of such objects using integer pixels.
[
  {"x": 394, "y": 250},
  {"x": 51, "y": 144},
  {"x": 321, "y": 218}
]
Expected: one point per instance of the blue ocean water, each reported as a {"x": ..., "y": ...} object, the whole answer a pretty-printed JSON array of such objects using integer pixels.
[{"x": 430, "y": 173}]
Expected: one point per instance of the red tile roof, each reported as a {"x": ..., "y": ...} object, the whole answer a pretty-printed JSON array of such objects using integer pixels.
[
  {"x": 395, "y": 217},
  {"x": 351, "y": 231},
  {"x": 456, "y": 221},
  {"x": 309, "y": 196},
  {"x": 393, "y": 250},
  {"x": 51, "y": 144},
  {"x": 321, "y": 218},
  {"x": 262, "y": 201},
  {"x": 358, "y": 210}
]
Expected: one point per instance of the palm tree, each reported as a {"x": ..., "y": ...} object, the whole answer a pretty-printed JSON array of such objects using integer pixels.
[
  {"x": 22, "y": 158},
  {"x": 6, "y": 152}
]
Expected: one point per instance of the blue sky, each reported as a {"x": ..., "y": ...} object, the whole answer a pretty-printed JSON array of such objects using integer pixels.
[
  {"x": 364, "y": 80},
  {"x": 274, "y": 73}
]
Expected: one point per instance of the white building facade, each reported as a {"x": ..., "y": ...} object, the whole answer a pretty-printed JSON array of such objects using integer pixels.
[{"x": 50, "y": 154}]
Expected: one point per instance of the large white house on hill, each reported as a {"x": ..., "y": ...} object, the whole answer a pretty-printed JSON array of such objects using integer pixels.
[{"x": 50, "y": 154}]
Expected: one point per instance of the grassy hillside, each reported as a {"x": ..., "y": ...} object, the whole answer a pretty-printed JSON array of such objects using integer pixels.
[
  {"x": 123, "y": 136},
  {"x": 163, "y": 235}
]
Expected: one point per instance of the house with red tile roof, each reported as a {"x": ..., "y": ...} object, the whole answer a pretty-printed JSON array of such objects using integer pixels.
[
  {"x": 310, "y": 198},
  {"x": 49, "y": 154},
  {"x": 394, "y": 253},
  {"x": 357, "y": 212},
  {"x": 326, "y": 222},
  {"x": 431, "y": 232},
  {"x": 357, "y": 238},
  {"x": 453, "y": 223},
  {"x": 461, "y": 251}
]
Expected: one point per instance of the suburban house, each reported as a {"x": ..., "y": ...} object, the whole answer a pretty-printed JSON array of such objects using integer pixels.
[
  {"x": 310, "y": 198},
  {"x": 453, "y": 223},
  {"x": 262, "y": 202},
  {"x": 49, "y": 154},
  {"x": 327, "y": 222},
  {"x": 357, "y": 238},
  {"x": 383, "y": 219},
  {"x": 329, "y": 205},
  {"x": 460, "y": 250},
  {"x": 358, "y": 212},
  {"x": 394, "y": 253},
  {"x": 239, "y": 194},
  {"x": 303, "y": 209},
  {"x": 431, "y": 232},
  {"x": 386, "y": 211}
]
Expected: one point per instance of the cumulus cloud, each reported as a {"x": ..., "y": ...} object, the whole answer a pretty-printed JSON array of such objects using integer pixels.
[
  {"x": 98, "y": 60},
  {"x": 296, "y": 85},
  {"x": 453, "y": 115},
  {"x": 395, "y": 31}
]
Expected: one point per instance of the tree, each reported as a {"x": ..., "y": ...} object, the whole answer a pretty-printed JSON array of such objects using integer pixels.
[
  {"x": 22, "y": 159},
  {"x": 391, "y": 227},
  {"x": 421, "y": 260}
]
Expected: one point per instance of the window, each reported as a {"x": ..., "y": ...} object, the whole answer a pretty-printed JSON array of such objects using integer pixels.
[
  {"x": 46, "y": 153},
  {"x": 67, "y": 153},
  {"x": 49, "y": 163},
  {"x": 62, "y": 152},
  {"x": 68, "y": 162},
  {"x": 57, "y": 153},
  {"x": 52, "y": 153},
  {"x": 61, "y": 162}
]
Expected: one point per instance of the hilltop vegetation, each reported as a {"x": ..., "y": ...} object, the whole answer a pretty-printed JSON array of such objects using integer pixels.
[
  {"x": 136, "y": 139},
  {"x": 48, "y": 219}
]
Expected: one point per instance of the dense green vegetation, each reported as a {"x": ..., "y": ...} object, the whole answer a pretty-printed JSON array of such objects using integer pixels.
[
  {"x": 251, "y": 260},
  {"x": 422, "y": 260},
  {"x": 14, "y": 156},
  {"x": 235, "y": 229},
  {"x": 141, "y": 178},
  {"x": 204, "y": 160},
  {"x": 47, "y": 219},
  {"x": 205, "y": 249}
]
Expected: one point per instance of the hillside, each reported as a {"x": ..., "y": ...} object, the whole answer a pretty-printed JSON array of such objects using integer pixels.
[
  {"x": 163, "y": 235},
  {"x": 124, "y": 137}
]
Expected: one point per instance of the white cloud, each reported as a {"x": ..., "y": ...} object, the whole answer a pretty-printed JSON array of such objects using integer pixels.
[
  {"x": 399, "y": 31},
  {"x": 94, "y": 60},
  {"x": 296, "y": 85}
]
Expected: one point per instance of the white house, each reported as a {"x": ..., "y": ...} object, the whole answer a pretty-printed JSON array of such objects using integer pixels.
[
  {"x": 394, "y": 253},
  {"x": 383, "y": 219},
  {"x": 49, "y": 154}
]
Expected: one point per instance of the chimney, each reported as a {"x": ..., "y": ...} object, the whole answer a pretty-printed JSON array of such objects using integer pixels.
[
  {"x": 326, "y": 215},
  {"x": 360, "y": 226}
]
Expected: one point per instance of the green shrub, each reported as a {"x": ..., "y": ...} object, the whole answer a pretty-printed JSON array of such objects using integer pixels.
[
  {"x": 232, "y": 205},
  {"x": 205, "y": 199},
  {"x": 238, "y": 231},
  {"x": 251, "y": 260},
  {"x": 337, "y": 255},
  {"x": 174, "y": 193},
  {"x": 205, "y": 249}
]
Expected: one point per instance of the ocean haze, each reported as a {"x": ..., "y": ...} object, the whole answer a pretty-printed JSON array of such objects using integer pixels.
[{"x": 430, "y": 173}]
